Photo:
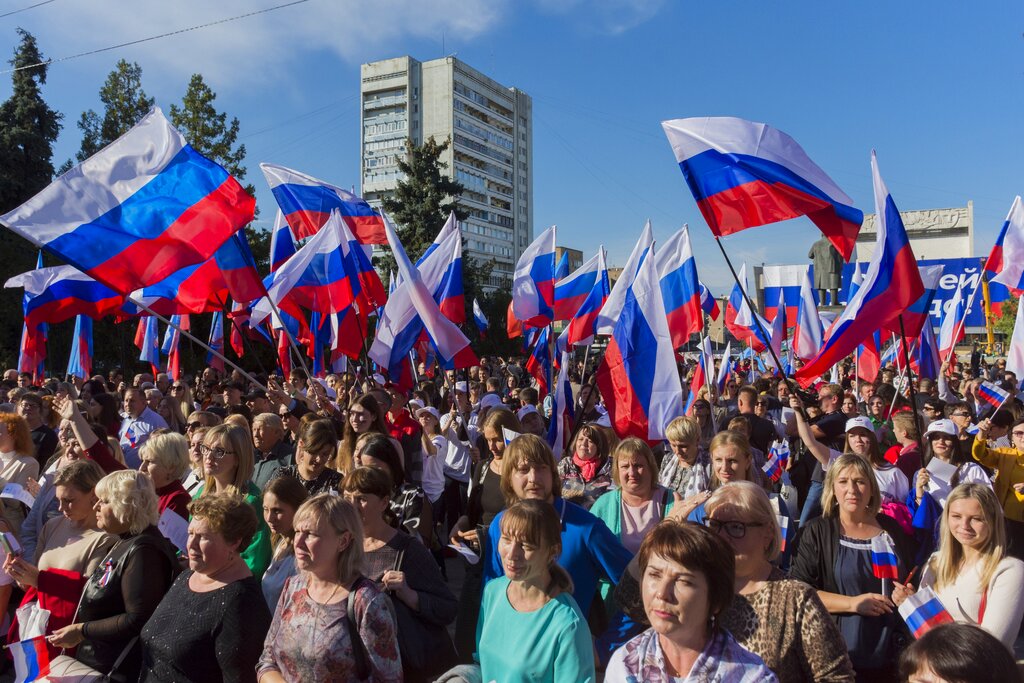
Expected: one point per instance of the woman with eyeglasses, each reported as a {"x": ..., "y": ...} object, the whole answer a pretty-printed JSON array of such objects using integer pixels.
[
  {"x": 316, "y": 449},
  {"x": 228, "y": 465},
  {"x": 1009, "y": 481},
  {"x": 834, "y": 556}
]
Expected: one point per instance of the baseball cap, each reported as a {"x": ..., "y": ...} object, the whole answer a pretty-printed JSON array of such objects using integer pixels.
[
  {"x": 462, "y": 386},
  {"x": 943, "y": 426},
  {"x": 490, "y": 401},
  {"x": 528, "y": 409},
  {"x": 860, "y": 421},
  {"x": 430, "y": 410}
]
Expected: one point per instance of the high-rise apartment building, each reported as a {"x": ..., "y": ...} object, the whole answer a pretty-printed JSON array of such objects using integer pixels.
[{"x": 491, "y": 129}]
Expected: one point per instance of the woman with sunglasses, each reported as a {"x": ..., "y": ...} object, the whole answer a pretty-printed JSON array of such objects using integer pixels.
[
  {"x": 228, "y": 465},
  {"x": 182, "y": 394}
]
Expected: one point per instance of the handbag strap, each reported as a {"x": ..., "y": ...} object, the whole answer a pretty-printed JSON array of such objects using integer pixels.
[
  {"x": 358, "y": 647},
  {"x": 984, "y": 604}
]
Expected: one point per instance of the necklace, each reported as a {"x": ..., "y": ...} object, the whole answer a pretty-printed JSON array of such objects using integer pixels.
[{"x": 316, "y": 616}]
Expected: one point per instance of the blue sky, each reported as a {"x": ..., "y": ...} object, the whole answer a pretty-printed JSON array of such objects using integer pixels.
[{"x": 935, "y": 87}]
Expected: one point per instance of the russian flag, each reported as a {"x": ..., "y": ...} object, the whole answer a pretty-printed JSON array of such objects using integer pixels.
[
  {"x": 147, "y": 339},
  {"x": 773, "y": 467},
  {"x": 533, "y": 283},
  {"x": 539, "y": 362},
  {"x": 638, "y": 377},
  {"x": 779, "y": 328},
  {"x": 780, "y": 449},
  {"x": 612, "y": 309},
  {"x": 680, "y": 287},
  {"x": 450, "y": 294},
  {"x": 892, "y": 283},
  {"x": 1015, "y": 354},
  {"x": 1006, "y": 261},
  {"x": 745, "y": 174},
  {"x": 785, "y": 281},
  {"x": 923, "y": 611},
  {"x": 723, "y": 368},
  {"x": 450, "y": 226},
  {"x": 808, "y": 331},
  {"x": 143, "y": 207},
  {"x": 920, "y": 311},
  {"x": 992, "y": 394},
  {"x": 346, "y": 337},
  {"x": 583, "y": 321},
  {"x": 412, "y": 299},
  {"x": 562, "y": 269},
  {"x": 745, "y": 324},
  {"x": 282, "y": 242},
  {"x": 572, "y": 290},
  {"x": 928, "y": 361},
  {"x": 884, "y": 563},
  {"x": 869, "y": 361},
  {"x": 479, "y": 318},
  {"x": 55, "y": 294},
  {"x": 701, "y": 374},
  {"x": 80, "y": 361},
  {"x": 708, "y": 303},
  {"x": 307, "y": 204},
  {"x": 560, "y": 427},
  {"x": 951, "y": 331},
  {"x": 31, "y": 659},
  {"x": 172, "y": 345}
]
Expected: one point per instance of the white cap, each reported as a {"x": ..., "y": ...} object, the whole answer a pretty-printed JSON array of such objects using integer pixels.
[
  {"x": 942, "y": 427},
  {"x": 431, "y": 410},
  {"x": 331, "y": 393},
  {"x": 528, "y": 409},
  {"x": 860, "y": 421},
  {"x": 379, "y": 379},
  {"x": 462, "y": 386}
]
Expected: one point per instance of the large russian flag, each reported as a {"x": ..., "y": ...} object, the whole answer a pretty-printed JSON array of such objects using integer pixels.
[
  {"x": 450, "y": 293},
  {"x": 1007, "y": 258},
  {"x": 745, "y": 174},
  {"x": 583, "y": 320},
  {"x": 638, "y": 377},
  {"x": 892, "y": 283},
  {"x": 612, "y": 308},
  {"x": 62, "y": 292},
  {"x": 918, "y": 312},
  {"x": 307, "y": 203},
  {"x": 951, "y": 331},
  {"x": 784, "y": 280},
  {"x": 680, "y": 287},
  {"x": 143, "y": 207},
  {"x": 573, "y": 289},
  {"x": 533, "y": 283}
]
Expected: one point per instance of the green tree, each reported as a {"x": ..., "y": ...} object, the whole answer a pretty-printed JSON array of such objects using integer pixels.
[
  {"x": 1004, "y": 323},
  {"x": 28, "y": 129}
]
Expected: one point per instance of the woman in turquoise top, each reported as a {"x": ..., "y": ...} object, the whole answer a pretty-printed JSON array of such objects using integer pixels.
[
  {"x": 530, "y": 627},
  {"x": 228, "y": 465}
]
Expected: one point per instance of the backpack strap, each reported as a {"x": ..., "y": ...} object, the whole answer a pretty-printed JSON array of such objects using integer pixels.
[{"x": 359, "y": 653}]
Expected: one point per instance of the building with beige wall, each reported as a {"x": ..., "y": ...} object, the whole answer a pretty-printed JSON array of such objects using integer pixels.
[{"x": 933, "y": 233}]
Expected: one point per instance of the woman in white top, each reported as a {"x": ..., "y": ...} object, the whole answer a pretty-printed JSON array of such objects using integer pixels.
[
  {"x": 974, "y": 578},
  {"x": 942, "y": 442},
  {"x": 860, "y": 440},
  {"x": 435, "y": 448},
  {"x": 17, "y": 465}
]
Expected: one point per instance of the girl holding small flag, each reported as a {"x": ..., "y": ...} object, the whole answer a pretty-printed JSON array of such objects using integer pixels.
[{"x": 977, "y": 582}]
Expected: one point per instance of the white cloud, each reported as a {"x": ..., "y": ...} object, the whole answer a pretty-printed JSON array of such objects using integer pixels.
[{"x": 605, "y": 16}]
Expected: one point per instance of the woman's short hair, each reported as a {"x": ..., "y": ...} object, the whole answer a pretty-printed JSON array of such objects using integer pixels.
[
  {"x": 131, "y": 497},
  {"x": 169, "y": 450},
  {"x": 595, "y": 434},
  {"x": 528, "y": 449},
  {"x": 17, "y": 427},
  {"x": 318, "y": 436},
  {"x": 343, "y": 518},
  {"x": 81, "y": 475},
  {"x": 829, "y": 504},
  {"x": 959, "y": 652},
  {"x": 753, "y": 503},
  {"x": 368, "y": 480},
  {"x": 536, "y": 522},
  {"x": 906, "y": 422},
  {"x": 498, "y": 418},
  {"x": 684, "y": 429},
  {"x": 636, "y": 448},
  {"x": 698, "y": 549},
  {"x": 379, "y": 446},
  {"x": 237, "y": 440},
  {"x": 228, "y": 515}
]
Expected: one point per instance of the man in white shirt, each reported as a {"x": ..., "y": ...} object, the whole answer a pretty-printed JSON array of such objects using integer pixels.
[{"x": 139, "y": 422}]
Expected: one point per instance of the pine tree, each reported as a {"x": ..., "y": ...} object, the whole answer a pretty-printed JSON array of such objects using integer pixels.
[{"x": 28, "y": 129}]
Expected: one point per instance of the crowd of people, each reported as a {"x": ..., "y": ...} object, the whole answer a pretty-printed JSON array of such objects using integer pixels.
[{"x": 325, "y": 515}]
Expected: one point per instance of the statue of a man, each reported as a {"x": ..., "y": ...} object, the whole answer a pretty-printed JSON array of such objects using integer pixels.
[{"x": 828, "y": 270}]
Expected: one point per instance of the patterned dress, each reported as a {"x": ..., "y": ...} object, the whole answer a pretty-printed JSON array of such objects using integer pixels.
[
  {"x": 641, "y": 660},
  {"x": 308, "y": 641}
]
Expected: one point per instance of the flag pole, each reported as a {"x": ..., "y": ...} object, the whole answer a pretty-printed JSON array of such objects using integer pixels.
[
  {"x": 707, "y": 381},
  {"x": 206, "y": 346},
  {"x": 910, "y": 383},
  {"x": 963, "y": 321},
  {"x": 757, "y": 318},
  {"x": 245, "y": 346}
]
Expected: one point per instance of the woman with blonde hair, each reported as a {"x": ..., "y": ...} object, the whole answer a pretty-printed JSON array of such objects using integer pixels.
[
  {"x": 164, "y": 459},
  {"x": 228, "y": 463},
  {"x": 311, "y": 636},
  {"x": 975, "y": 579},
  {"x": 182, "y": 395},
  {"x": 686, "y": 468},
  {"x": 170, "y": 410},
  {"x": 834, "y": 558}
]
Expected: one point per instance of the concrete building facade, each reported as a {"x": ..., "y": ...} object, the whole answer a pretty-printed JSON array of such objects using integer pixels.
[
  {"x": 933, "y": 233},
  {"x": 491, "y": 152}
]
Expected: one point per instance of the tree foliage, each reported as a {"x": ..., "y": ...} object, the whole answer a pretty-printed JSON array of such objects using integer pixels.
[{"x": 1004, "y": 323}]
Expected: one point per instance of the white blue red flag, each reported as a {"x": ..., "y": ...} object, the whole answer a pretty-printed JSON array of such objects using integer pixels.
[
  {"x": 701, "y": 374},
  {"x": 724, "y": 367},
  {"x": 609, "y": 315},
  {"x": 745, "y": 324},
  {"x": 31, "y": 659},
  {"x": 779, "y": 328},
  {"x": 538, "y": 364},
  {"x": 920, "y": 311},
  {"x": 282, "y": 242},
  {"x": 533, "y": 283},
  {"x": 216, "y": 341},
  {"x": 808, "y": 332},
  {"x": 143, "y": 207},
  {"x": 479, "y": 318},
  {"x": 951, "y": 331},
  {"x": 992, "y": 394},
  {"x": 59, "y": 293},
  {"x": 708, "y": 303},
  {"x": 147, "y": 339},
  {"x": 924, "y": 611},
  {"x": 560, "y": 427},
  {"x": 1015, "y": 354},
  {"x": 1006, "y": 261},
  {"x": 745, "y": 174},
  {"x": 884, "y": 563},
  {"x": 172, "y": 345},
  {"x": 32, "y": 350},
  {"x": 785, "y": 281},
  {"x": 562, "y": 269},
  {"x": 307, "y": 204},
  {"x": 773, "y": 467},
  {"x": 680, "y": 287},
  {"x": 581, "y": 296},
  {"x": 892, "y": 283},
  {"x": 451, "y": 225},
  {"x": 638, "y": 377},
  {"x": 80, "y": 361},
  {"x": 928, "y": 361}
]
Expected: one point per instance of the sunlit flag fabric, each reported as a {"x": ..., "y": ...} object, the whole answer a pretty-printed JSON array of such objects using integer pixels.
[
  {"x": 143, "y": 207},
  {"x": 1015, "y": 354},
  {"x": 745, "y": 174},
  {"x": 928, "y": 361},
  {"x": 779, "y": 327},
  {"x": 450, "y": 294},
  {"x": 992, "y": 394},
  {"x": 479, "y": 318},
  {"x": 562, "y": 269},
  {"x": 32, "y": 349},
  {"x": 31, "y": 659},
  {"x": 638, "y": 377},
  {"x": 701, "y": 374},
  {"x": 724, "y": 367},
  {"x": 80, "y": 361},
  {"x": 924, "y": 611},
  {"x": 60, "y": 293},
  {"x": 282, "y": 242},
  {"x": 915, "y": 316},
  {"x": 892, "y": 283},
  {"x": 216, "y": 341},
  {"x": 147, "y": 339},
  {"x": 884, "y": 563},
  {"x": 869, "y": 360},
  {"x": 172, "y": 345},
  {"x": 538, "y": 364},
  {"x": 808, "y": 331},
  {"x": 307, "y": 203},
  {"x": 593, "y": 277},
  {"x": 560, "y": 427},
  {"x": 951, "y": 331},
  {"x": 450, "y": 225},
  {"x": 708, "y": 303},
  {"x": 745, "y": 324},
  {"x": 1006, "y": 261},
  {"x": 680, "y": 287},
  {"x": 533, "y": 282},
  {"x": 609, "y": 315}
]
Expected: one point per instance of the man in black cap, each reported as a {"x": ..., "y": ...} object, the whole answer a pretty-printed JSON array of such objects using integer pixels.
[{"x": 258, "y": 402}]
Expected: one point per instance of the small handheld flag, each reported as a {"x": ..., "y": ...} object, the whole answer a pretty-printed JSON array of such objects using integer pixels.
[
  {"x": 924, "y": 611},
  {"x": 772, "y": 468},
  {"x": 884, "y": 563},
  {"x": 783, "y": 531},
  {"x": 509, "y": 434},
  {"x": 31, "y": 659},
  {"x": 780, "y": 448},
  {"x": 992, "y": 394}
]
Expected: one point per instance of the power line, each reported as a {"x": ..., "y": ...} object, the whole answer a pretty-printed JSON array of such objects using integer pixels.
[
  {"x": 145, "y": 40},
  {"x": 38, "y": 4}
]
